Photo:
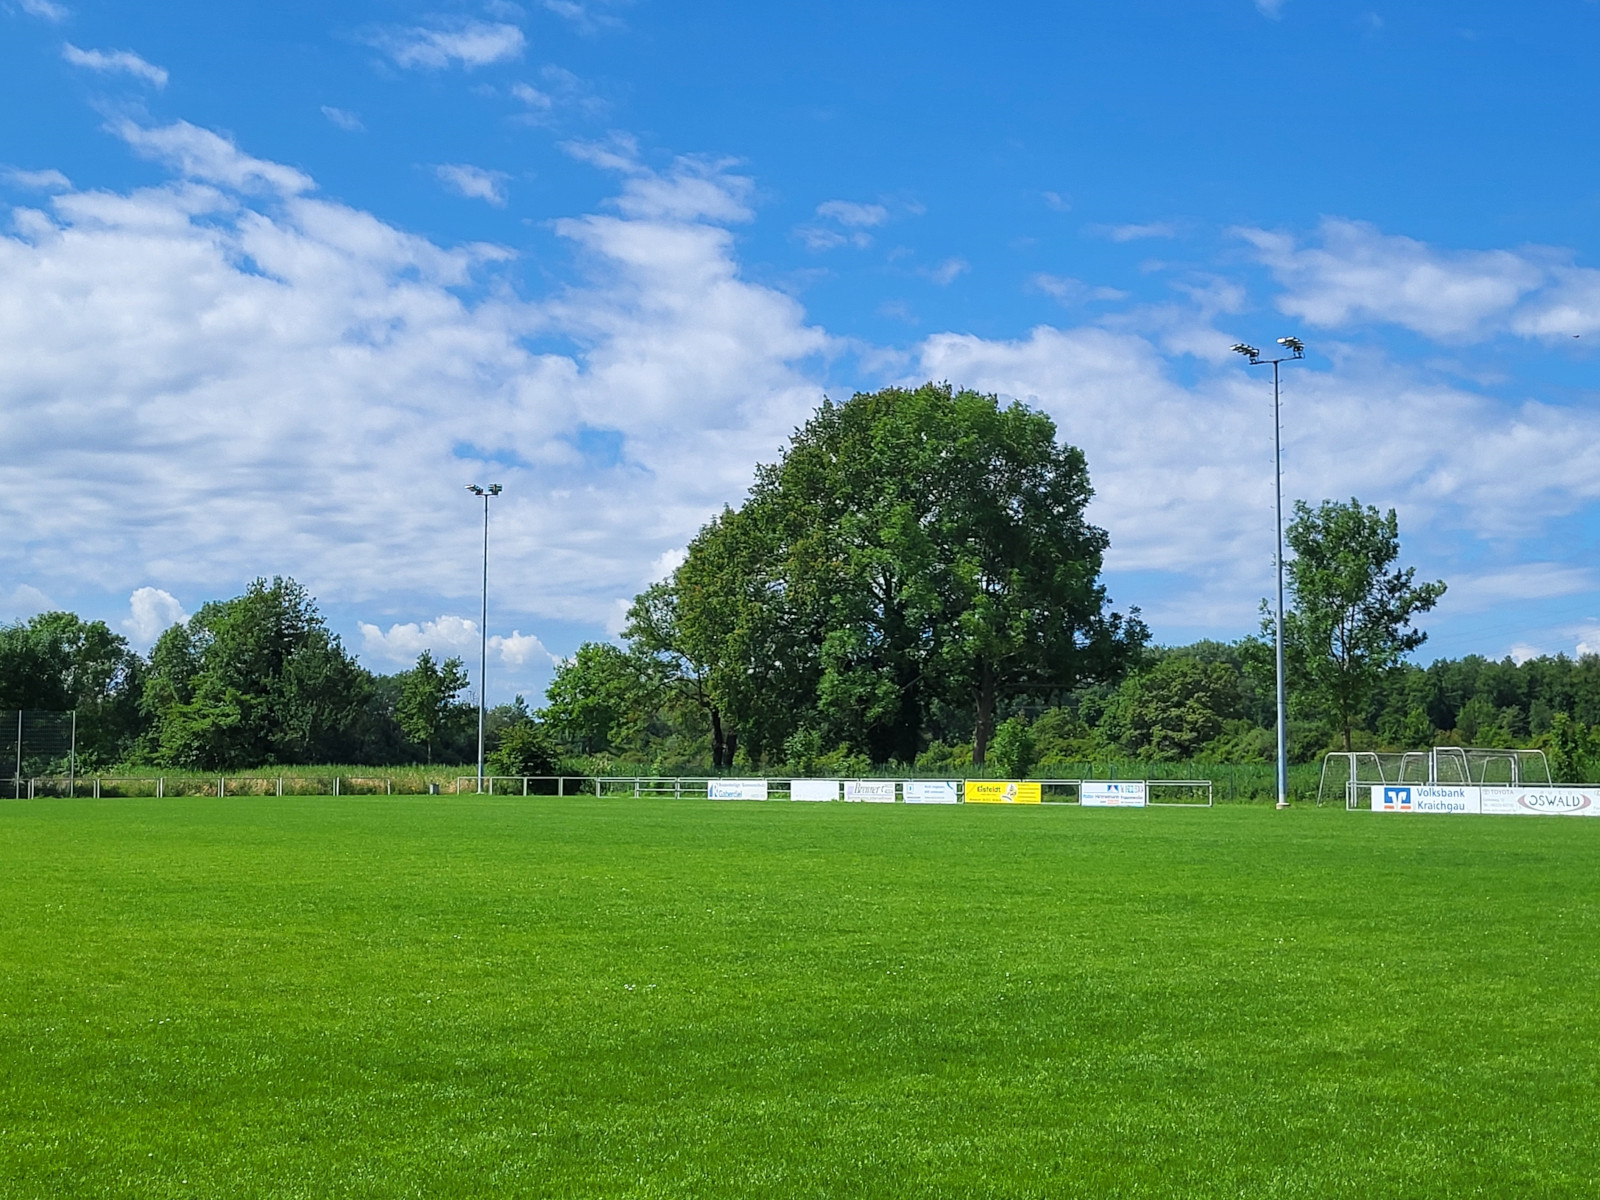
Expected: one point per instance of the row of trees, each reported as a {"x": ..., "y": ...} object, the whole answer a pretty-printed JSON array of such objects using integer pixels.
[
  {"x": 914, "y": 581},
  {"x": 254, "y": 680}
]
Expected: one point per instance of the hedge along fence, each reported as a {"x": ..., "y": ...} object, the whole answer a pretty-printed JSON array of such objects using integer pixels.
[{"x": 1233, "y": 782}]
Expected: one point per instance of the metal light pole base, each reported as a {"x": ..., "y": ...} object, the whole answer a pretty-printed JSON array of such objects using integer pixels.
[{"x": 1282, "y": 804}]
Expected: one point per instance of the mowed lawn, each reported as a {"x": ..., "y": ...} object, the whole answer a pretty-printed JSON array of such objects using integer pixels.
[{"x": 440, "y": 997}]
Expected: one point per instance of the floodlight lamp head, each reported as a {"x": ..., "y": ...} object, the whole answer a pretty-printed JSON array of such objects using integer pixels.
[
  {"x": 1294, "y": 344},
  {"x": 1248, "y": 351},
  {"x": 474, "y": 489},
  {"x": 494, "y": 489}
]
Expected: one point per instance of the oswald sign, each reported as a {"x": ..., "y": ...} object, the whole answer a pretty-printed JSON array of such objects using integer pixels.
[
  {"x": 1493, "y": 801},
  {"x": 1542, "y": 801}
]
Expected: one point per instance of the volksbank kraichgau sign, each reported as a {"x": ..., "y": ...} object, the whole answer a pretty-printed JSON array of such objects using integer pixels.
[{"x": 1494, "y": 801}]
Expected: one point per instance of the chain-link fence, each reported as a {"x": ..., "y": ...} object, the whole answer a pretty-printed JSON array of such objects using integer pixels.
[{"x": 36, "y": 742}]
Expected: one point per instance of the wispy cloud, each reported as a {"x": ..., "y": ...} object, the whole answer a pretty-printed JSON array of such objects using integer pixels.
[
  {"x": 948, "y": 271},
  {"x": 44, "y": 181},
  {"x": 124, "y": 62},
  {"x": 201, "y": 154},
  {"x": 468, "y": 44},
  {"x": 1074, "y": 291},
  {"x": 45, "y": 10},
  {"x": 475, "y": 183},
  {"x": 588, "y": 18},
  {"x": 1270, "y": 8},
  {"x": 1135, "y": 233},
  {"x": 852, "y": 214},
  {"x": 844, "y": 223},
  {"x": 344, "y": 119}
]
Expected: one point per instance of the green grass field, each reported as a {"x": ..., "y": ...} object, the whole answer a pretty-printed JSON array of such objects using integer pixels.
[{"x": 493, "y": 997}]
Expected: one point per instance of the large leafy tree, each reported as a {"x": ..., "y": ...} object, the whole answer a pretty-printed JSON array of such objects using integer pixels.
[
  {"x": 911, "y": 545},
  {"x": 59, "y": 661},
  {"x": 1350, "y": 621},
  {"x": 427, "y": 706},
  {"x": 599, "y": 698},
  {"x": 253, "y": 680}
]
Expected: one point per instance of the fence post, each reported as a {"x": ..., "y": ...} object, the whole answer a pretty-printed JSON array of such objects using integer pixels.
[
  {"x": 561, "y": 785},
  {"x": 161, "y": 786},
  {"x": 72, "y": 760},
  {"x": 222, "y": 786}
]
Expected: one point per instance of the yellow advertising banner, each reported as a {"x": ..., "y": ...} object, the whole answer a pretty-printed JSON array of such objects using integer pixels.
[{"x": 1003, "y": 791}]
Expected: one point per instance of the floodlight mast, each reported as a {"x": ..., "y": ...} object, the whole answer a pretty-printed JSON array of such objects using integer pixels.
[
  {"x": 1297, "y": 350},
  {"x": 487, "y": 494}
]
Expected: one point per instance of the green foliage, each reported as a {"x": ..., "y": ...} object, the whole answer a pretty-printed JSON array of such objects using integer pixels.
[
  {"x": 1171, "y": 710},
  {"x": 1014, "y": 750},
  {"x": 427, "y": 705},
  {"x": 1351, "y": 619},
  {"x": 601, "y": 698},
  {"x": 58, "y": 661},
  {"x": 526, "y": 748},
  {"x": 912, "y": 548},
  {"x": 253, "y": 680}
]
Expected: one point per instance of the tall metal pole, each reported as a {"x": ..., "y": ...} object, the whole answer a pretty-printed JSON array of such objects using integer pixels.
[
  {"x": 1296, "y": 350},
  {"x": 1283, "y": 700},
  {"x": 486, "y": 494},
  {"x": 483, "y": 642}
]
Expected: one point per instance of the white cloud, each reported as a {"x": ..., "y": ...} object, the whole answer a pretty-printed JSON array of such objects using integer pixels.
[
  {"x": 469, "y": 43},
  {"x": 344, "y": 119},
  {"x": 1074, "y": 291},
  {"x": 587, "y": 17},
  {"x": 151, "y": 612},
  {"x": 1360, "y": 274},
  {"x": 1134, "y": 233},
  {"x": 289, "y": 385},
  {"x": 948, "y": 271},
  {"x": 853, "y": 215},
  {"x": 44, "y": 181},
  {"x": 124, "y": 62},
  {"x": 1272, "y": 9},
  {"x": 204, "y": 155},
  {"x": 24, "y": 601},
  {"x": 46, "y": 10},
  {"x": 447, "y": 637},
  {"x": 473, "y": 182}
]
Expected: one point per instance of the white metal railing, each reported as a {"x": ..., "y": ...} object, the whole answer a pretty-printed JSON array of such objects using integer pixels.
[{"x": 678, "y": 787}]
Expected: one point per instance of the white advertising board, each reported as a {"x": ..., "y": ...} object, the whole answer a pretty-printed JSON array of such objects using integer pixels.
[
  {"x": 736, "y": 789},
  {"x": 1125, "y": 793},
  {"x": 814, "y": 789},
  {"x": 870, "y": 791},
  {"x": 1425, "y": 798},
  {"x": 1542, "y": 801},
  {"x": 928, "y": 791}
]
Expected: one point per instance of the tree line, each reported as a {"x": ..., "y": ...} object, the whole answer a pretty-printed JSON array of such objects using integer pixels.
[{"x": 912, "y": 584}]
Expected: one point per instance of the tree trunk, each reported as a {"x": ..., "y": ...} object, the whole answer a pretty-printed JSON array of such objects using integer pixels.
[
  {"x": 716, "y": 739},
  {"x": 733, "y": 745},
  {"x": 985, "y": 722}
]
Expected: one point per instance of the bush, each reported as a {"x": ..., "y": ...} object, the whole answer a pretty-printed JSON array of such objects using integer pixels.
[{"x": 526, "y": 748}]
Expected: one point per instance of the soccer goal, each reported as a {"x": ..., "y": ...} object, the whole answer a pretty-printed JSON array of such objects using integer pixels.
[{"x": 1353, "y": 771}]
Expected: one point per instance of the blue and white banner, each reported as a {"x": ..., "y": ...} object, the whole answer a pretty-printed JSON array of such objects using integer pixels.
[
  {"x": 1426, "y": 798},
  {"x": 1127, "y": 793},
  {"x": 736, "y": 789},
  {"x": 929, "y": 791}
]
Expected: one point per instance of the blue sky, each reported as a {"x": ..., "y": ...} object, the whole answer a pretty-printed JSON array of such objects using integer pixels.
[{"x": 275, "y": 281}]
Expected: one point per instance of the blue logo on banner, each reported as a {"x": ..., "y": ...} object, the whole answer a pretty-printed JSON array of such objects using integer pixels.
[{"x": 1397, "y": 797}]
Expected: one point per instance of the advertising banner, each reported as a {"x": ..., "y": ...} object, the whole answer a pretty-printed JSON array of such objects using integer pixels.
[
  {"x": 929, "y": 791},
  {"x": 814, "y": 789},
  {"x": 736, "y": 789},
  {"x": 1127, "y": 793},
  {"x": 1426, "y": 798},
  {"x": 1003, "y": 791},
  {"x": 870, "y": 791},
  {"x": 1542, "y": 801}
]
